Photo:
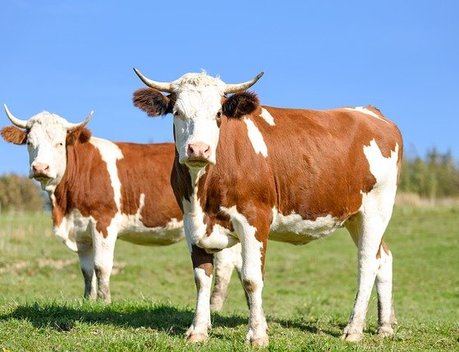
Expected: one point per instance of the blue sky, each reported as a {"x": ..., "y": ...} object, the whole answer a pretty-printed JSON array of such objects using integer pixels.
[{"x": 71, "y": 57}]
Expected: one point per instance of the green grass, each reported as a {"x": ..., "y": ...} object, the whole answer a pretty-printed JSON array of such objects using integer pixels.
[{"x": 309, "y": 292}]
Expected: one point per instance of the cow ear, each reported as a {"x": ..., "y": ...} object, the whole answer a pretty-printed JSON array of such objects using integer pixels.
[
  {"x": 240, "y": 104},
  {"x": 153, "y": 102},
  {"x": 15, "y": 135},
  {"x": 81, "y": 135}
]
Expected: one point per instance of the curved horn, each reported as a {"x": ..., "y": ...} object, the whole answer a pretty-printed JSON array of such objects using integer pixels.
[
  {"x": 73, "y": 126},
  {"x": 17, "y": 122},
  {"x": 239, "y": 87},
  {"x": 161, "y": 86}
]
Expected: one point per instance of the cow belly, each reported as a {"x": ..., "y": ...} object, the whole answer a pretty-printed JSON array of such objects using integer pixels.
[
  {"x": 296, "y": 230},
  {"x": 138, "y": 233},
  {"x": 159, "y": 236}
]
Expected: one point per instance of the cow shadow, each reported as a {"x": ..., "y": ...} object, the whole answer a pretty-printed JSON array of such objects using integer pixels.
[{"x": 164, "y": 318}]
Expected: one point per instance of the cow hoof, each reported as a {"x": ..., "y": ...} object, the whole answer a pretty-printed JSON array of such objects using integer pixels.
[
  {"x": 385, "y": 331},
  {"x": 352, "y": 337},
  {"x": 259, "y": 342},
  {"x": 197, "y": 338}
]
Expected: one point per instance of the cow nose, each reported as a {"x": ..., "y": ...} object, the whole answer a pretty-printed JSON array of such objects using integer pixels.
[
  {"x": 40, "y": 168},
  {"x": 198, "y": 151}
]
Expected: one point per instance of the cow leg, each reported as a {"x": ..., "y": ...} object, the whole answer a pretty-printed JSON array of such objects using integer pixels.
[
  {"x": 367, "y": 232},
  {"x": 253, "y": 243},
  {"x": 224, "y": 261},
  {"x": 104, "y": 248},
  {"x": 386, "y": 313},
  {"x": 203, "y": 268},
  {"x": 86, "y": 256}
]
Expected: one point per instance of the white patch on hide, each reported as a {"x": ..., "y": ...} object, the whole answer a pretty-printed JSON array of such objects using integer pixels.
[
  {"x": 364, "y": 110},
  {"x": 110, "y": 153},
  {"x": 294, "y": 229},
  {"x": 267, "y": 117},
  {"x": 256, "y": 138},
  {"x": 381, "y": 198}
]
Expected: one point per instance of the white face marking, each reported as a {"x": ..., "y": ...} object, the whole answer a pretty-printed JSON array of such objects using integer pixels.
[
  {"x": 267, "y": 117},
  {"x": 195, "y": 111},
  {"x": 110, "y": 153},
  {"x": 294, "y": 229},
  {"x": 364, "y": 110},
  {"x": 256, "y": 138},
  {"x": 46, "y": 142}
]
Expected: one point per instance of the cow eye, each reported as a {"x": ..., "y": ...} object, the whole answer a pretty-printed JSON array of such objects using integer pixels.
[
  {"x": 219, "y": 118},
  {"x": 60, "y": 144}
]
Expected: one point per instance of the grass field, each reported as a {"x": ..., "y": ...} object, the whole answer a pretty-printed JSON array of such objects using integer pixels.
[{"x": 309, "y": 292}]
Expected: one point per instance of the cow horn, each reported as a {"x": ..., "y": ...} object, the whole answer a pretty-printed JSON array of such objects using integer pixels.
[
  {"x": 17, "y": 122},
  {"x": 239, "y": 87},
  {"x": 161, "y": 86},
  {"x": 73, "y": 126}
]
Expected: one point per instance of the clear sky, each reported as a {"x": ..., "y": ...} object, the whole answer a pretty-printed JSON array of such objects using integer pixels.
[{"x": 70, "y": 57}]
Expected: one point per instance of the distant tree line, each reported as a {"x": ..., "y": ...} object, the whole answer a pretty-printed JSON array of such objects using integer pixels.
[
  {"x": 19, "y": 193},
  {"x": 434, "y": 176}
]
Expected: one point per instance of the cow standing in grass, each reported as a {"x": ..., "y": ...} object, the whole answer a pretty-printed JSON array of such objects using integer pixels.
[
  {"x": 247, "y": 173},
  {"x": 101, "y": 191}
]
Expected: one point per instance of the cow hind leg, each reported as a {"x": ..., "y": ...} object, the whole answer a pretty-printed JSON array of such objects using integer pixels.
[
  {"x": 224, "y": 262},
  {"x": 86, "y": 256},
  {"x": 104, "y": 248},
  {"x": 373, "y": 264},
  {"x": 386, "y": 313}
]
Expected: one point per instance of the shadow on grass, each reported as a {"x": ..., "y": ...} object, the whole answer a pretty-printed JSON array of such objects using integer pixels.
[
  {"x": 174, "y": 321},
  {"x": 61, "y": 317},
  {"x": 313, "y": 327}
]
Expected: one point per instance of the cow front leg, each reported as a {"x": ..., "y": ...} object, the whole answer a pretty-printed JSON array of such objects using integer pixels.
[
  {"x": 86, "y": 256},
  {"x": 253, "y": 244},
  {"x": 203, "y": 268},
  {"x": 104, "y": 248}
]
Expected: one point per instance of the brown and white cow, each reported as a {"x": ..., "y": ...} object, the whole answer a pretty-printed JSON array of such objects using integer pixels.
[
  {"x": 244, "y": 173},
  {"x": 102, "y": 190}
]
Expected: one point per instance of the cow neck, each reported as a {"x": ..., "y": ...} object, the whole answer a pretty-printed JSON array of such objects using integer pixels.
[
  {"x": 193, "y": 182},
  {"x": 60, "y": 196}
]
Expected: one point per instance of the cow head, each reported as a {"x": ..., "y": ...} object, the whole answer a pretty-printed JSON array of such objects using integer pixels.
[
  {"x": 47, "y": 136},
  {"x": 198, "y": 102}
]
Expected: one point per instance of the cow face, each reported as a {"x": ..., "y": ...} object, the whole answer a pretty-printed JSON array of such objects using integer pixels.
[
  {"x": 46, "y": 136},
  {"x": 197, "y": 102}
]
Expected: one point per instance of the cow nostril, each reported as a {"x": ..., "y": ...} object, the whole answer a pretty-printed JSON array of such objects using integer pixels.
[
  {"x": 198, "y": 150},
  {"x": 40, "y": 168},
  {"x": 190, "y": 150}
]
